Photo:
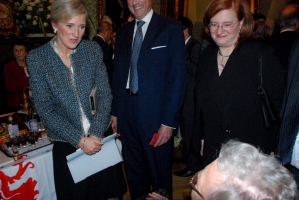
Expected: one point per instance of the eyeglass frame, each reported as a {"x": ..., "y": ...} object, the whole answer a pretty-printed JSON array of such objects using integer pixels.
[
  {"x": 229, "y": 28},
  {"x": 192, "y": 184}
]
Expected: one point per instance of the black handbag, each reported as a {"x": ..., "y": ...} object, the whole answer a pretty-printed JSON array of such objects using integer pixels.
[{"x": 267, "y": 108}]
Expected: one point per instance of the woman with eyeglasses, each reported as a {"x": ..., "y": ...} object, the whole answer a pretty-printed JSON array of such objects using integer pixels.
[{"x": 228, "y": 103}]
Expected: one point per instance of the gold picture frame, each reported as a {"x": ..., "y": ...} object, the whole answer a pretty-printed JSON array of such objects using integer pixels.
[
  {"x": 101, "y": 10},
  {"x": 7, "y": 21}
]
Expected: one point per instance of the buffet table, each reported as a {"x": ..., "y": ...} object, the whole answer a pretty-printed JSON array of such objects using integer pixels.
[{"x": 28, "y": 178}]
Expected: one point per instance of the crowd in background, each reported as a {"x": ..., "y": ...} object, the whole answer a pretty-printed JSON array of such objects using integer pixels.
[{"x": 238, "y": 83}]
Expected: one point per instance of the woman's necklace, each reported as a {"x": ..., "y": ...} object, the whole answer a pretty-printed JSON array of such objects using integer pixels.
[{"x": 222, "y": 58}]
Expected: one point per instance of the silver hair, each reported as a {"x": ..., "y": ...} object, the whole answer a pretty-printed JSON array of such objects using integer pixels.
[
  {"x": 260, "y": 28},
  {"x": 252, "y": 175}
]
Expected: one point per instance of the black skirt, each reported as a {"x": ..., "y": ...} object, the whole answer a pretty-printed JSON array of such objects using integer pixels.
[{"x": 108, "y": 183}]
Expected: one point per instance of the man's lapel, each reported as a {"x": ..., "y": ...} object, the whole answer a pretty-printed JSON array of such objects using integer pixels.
[
  {"x": 292, "y": 90},
  {"x": 150, "y": 34},
  {"x": 127, "y": 48},
  {"x": 129, "y": 38}
]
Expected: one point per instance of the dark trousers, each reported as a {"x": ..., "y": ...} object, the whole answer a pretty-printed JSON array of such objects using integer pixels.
[
  {"x": 105, "y": 184},
  {"x": 145, "y": 165},
  {"x": 192, "y": 159},
  {"x": 295, "y": 173}
]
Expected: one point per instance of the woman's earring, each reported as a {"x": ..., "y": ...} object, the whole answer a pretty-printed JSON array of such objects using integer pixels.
[{"x": 55, "y": 31}]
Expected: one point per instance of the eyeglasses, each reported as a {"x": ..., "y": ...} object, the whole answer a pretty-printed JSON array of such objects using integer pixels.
[
  {"x": 193, "y": 182},
  {"x": 225, "y": 26}
]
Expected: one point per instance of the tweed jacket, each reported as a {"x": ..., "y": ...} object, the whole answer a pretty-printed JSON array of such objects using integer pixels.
[{"x": 57, "y": 95}]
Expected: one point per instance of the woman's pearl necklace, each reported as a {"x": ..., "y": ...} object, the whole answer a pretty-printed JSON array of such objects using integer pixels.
[{"x": 222, "y": 58}]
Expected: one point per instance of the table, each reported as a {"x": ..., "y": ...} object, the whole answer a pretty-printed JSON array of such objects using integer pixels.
[{"x": 29, "y": 178}]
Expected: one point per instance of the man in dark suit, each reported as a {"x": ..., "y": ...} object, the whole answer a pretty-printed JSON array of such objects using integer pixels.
[
  {"x": 104, "y": 34},
  {"x": 151, "y": 103},
  {"x": 288, "y": 148},
  {"x": 188, "y": 111},
  {"x": 288, "y": 21}
]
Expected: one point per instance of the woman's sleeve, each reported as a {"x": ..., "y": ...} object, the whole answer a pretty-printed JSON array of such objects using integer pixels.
[
  {"x": 274, "y": 81},
  {"x": 102, "y": 118},
  {"x": 44, "y": 103}
]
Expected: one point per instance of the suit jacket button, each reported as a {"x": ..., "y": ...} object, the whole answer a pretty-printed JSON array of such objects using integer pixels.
[{"x": 227, "y": 130}]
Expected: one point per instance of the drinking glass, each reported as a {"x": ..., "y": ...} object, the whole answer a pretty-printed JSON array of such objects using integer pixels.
[
  {"x": 42, "y": 129},
  {"x": 32, "y": 140},
  {"x": 15, "y": 150},
  {"x": 36, "y": 137},
  {"x": 24, "y": 140},
  {"x": 16, "y": 141},
  {"x": 8, "y": 143}
]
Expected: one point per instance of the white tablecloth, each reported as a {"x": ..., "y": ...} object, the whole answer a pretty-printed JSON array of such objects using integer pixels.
[{"x": 29, "y": 178}]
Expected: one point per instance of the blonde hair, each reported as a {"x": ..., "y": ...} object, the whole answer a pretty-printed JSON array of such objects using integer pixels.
[{"x": 64, "y": 10}]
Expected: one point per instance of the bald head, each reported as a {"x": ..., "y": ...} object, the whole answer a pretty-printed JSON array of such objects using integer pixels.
[
  {"x": 105, "y": 30},
  {"x": 288, "y": 18}
]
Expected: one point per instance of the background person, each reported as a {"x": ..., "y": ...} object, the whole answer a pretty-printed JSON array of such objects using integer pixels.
[
  {"x": 104, "y": 33},
  {"x": 261, "y": 30},
  {"x": 288, "y": 21},
  {"x": 16, "y": 77},
  {"x": 187, "y": 114},
  {"x": 228, "y": 103},
  {"x": 62, "y": 75}
]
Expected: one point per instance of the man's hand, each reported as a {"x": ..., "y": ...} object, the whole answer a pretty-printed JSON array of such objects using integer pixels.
[
  {"x": 272, "y": 153},
  {"x": 114, "y": 124},
  {"x": 165, "y": 134},
  {"x": 155, "y": 196},
  {"x": 201, "y": 150}
]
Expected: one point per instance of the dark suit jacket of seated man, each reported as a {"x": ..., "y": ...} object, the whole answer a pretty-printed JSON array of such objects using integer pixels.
[{"x": 155, "y": 108}]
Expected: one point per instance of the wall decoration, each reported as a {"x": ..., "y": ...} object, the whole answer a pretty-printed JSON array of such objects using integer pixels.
[
  {"x": 33, "y": 16},
  {"x": 7, "y": 22}
]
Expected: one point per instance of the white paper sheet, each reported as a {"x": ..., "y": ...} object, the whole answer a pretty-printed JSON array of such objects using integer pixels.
[{"x": 82, "y": 165}]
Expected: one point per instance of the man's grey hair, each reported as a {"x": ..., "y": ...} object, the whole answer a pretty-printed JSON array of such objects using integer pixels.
[
  {"x": 103, "y": 26},
  {"x": 289, "y": 19},
  {"x": 260, "y": 28},
  {"x": 251, "y": 175}
]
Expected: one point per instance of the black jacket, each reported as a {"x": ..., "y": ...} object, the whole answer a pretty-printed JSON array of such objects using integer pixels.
[
  {"x": 229, "y": 106},
  {"x": 107, "y": 56},
  {"x": 192, "y": 55},
  {"x": 283, "y": 44}
]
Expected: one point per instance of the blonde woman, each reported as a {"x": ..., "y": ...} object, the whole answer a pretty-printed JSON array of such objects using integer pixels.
[{"x": 62, "y": 75}]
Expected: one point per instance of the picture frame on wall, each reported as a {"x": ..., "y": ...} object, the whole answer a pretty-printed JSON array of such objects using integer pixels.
[{"x": 7, "y": 21}]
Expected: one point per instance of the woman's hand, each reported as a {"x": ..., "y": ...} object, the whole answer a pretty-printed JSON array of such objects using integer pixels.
[{"x": 91, "y": 144}]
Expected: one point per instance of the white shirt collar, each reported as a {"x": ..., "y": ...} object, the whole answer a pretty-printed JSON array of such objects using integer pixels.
[
  {"x": 187, "y": 40},
  {"x": 101, "y": 37},
  {"x": 147, "y": 18},
  {"x": 286, "y": 30}
]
